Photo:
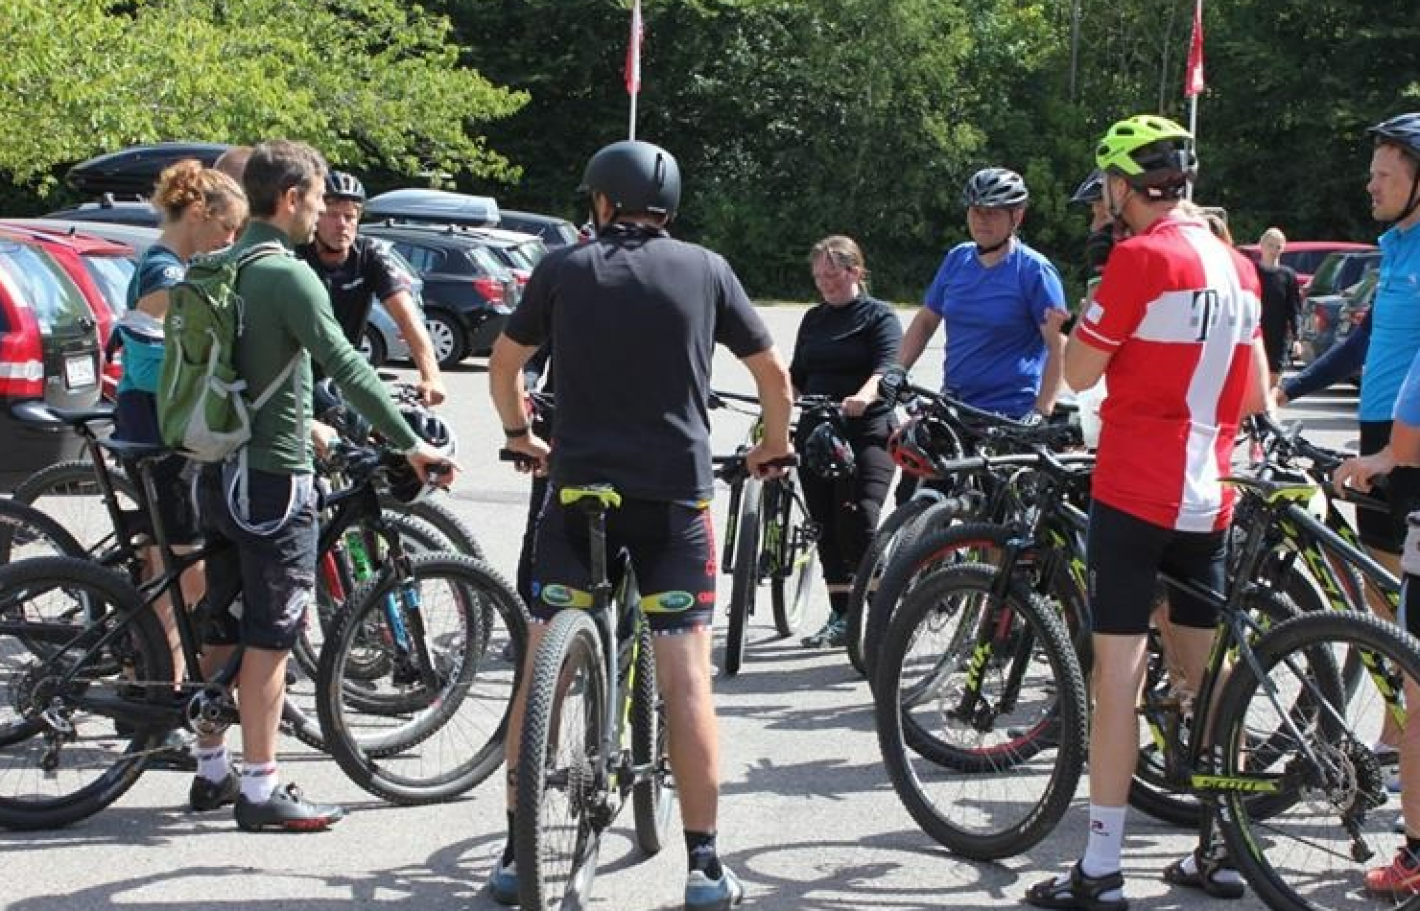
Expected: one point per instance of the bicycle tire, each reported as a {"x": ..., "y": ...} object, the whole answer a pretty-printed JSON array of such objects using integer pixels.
[
  {"x": 111, "y": 758},
  {"x": 443, "y": 520},
  {"x": 69, "y": 493},
  {"x": 922, "y": 552},
  {"x": 418, "y": 744},
  {"x": 745, "y": 581},
  {"x": 1149, "y": 792},
  {"x": 977, "y": 827},
  {"x": 555, "y": 838},
  {"x": 1331, "y": 822},
  {"x": 869, "y": 571},
  {"x": 791, "y": 587},
  {"x": 27, "y": 532},
  {"x": 652, "y": 800}
]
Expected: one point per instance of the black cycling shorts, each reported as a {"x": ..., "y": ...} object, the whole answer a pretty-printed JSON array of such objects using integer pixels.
[
  {"x": 136, "y": 421},
  {"x": 672, "y": 551},
  {"x": 1385, "y": 531},
  {"x": 271, "y": 569},
  {"x": 1125, "y": 555}
]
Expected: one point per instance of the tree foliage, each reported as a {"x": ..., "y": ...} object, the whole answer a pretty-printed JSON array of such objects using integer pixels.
[{"x": 373, "y": 83}]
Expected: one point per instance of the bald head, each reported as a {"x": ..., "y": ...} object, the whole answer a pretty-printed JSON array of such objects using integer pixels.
[{"x": 233, "y": 162}]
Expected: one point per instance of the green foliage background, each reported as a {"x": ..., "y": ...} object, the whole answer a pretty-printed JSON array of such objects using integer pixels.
[{"x": 791, "y": 118}]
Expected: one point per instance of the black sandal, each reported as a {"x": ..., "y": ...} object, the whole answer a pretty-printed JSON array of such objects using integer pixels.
[
  {"x": 1204, "y": 877},
  {"x": 1079, "y": 892}
]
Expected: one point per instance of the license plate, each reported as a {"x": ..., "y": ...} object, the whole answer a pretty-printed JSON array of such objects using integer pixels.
[{"x": 79, "y": 372}]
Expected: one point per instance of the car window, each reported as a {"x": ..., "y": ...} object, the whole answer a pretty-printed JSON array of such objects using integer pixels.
[
  {"x": 485, "y": 262},
  {"x": 1354, "y": 269},
  {"x": 55, "y": 299},
  {"x": 112, "y": 275},
  {"x": 1324, "y": 281},
  {"x": 424, "y": 259},
  {"x": 531, "y": 252},
  {"x": 1304, "y": 261}
]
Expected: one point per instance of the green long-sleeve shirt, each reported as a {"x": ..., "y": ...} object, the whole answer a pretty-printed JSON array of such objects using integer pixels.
[{"x": 286, "y": 311}]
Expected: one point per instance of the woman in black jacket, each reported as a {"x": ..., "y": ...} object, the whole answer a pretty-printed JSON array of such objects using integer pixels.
[{"x": 842, "y": 348}]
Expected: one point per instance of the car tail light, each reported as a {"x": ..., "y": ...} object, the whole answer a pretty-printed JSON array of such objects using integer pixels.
[
  {"x": 490, "y": 288},
  {"x": 522, "y": 275},
  {"x": 1320, "y": 320},
  {"x": 22, "y": 357}
]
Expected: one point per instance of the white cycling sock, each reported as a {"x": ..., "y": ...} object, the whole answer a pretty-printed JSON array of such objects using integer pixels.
[
  {"x": 259, "y": 781},
  {"x": 1106, "y": 842},
  {"x": 213, "y": 764}
]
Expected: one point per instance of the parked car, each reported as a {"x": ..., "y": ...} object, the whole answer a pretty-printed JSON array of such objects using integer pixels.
[
  {"x": 136, "y": 237},
  {"x": 1304, "y": 257},
  {"x": 135, "y": 170},
  {"x": 467, "y": 293},
  {"x": 555, "y": 232},
  {"x": 101, "y": 269},
  {"x": 49, "y": 351},
  {"x": 1328, "y": 318},
  {"x": 1342, "y": 270},
  {"x": 382, "y": 340},
  {"x": 518, "y": 252},
  {"x": 434, "y": 207}
]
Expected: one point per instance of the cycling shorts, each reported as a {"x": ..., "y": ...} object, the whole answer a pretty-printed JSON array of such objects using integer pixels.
[
  {"x": 1126, "y": 555},
  {"x": 671, "y": 548},
  {"x": 1385, "y": 531}
]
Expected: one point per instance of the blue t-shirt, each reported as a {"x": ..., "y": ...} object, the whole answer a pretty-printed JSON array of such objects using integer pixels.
[
  {"x": 142, "y": 335},
  {"x": 995, "y": 354},
  {"x": 1395, "y": 325}
]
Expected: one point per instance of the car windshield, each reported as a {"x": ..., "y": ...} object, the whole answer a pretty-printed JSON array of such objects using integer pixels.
[
  {"x": 55, "y": 299},
  {"x": 531, "y": 252},
  {"x": 111, "y": 274}
]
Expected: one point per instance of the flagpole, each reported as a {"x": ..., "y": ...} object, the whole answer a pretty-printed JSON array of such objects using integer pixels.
[
  {"x": 1192, "y": 128},
  {"x": 1193, "y": 79},
  {"x": 633, "y": 65},
  {"x": 631, "y": 127}
]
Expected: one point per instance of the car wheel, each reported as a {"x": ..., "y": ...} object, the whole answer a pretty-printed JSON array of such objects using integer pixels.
[
  {"x": 372, "y": 346},
  {"x": 447, "y": 336}
]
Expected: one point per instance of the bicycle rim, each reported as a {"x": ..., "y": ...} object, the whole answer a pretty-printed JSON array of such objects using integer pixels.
[
  {"x": 1313, "y": 852},
  {"x": 653, "y": 796},
  {"x": 555, "y": 834}
]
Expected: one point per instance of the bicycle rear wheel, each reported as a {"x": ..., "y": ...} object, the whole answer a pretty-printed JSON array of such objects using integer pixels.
[
  {"x": 423, "y": 733},
  {"x": 986, "y": 770},
  {"x": 796, "y": 567},
  {"x": 69, "y": 493},
  {"x": 27, "y": 532},
  {"x": 652, "y": 799},
  {"x": 886, "y": 540},
  {"x": 556, "y": 832},
  {"x": 745, "y": 582},
  {"x": 63, "y": 754},
  {"x": 1313, "y": 745}
]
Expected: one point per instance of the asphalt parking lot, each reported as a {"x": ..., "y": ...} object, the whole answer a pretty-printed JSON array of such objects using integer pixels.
[{"x": 808, "y": 818}]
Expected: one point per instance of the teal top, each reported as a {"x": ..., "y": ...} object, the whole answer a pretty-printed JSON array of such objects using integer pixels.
[{"x": 142, "y": 335}]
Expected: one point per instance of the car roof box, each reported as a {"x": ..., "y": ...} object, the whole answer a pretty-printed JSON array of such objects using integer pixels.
[
  {"x": 433, "y": 206},
  {"x": 135, "y": 170}
]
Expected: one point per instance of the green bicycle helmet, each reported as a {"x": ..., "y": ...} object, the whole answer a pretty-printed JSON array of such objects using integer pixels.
[{"x": 1151, "y": 152}]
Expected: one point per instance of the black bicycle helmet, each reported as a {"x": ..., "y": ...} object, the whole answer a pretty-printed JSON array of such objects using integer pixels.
[
  {"x": 995, "y": 188},
  {"x": 827, "y": 454},
  {"x": 329, "y": 407},
  {"x": 1091, "y": 189},
  {"x": 340, "y": 185},
  {"x": 636, "y": 176},
  {"x": 403, "y": 481}
]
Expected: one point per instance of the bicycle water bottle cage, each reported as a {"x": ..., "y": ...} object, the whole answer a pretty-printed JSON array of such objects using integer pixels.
[{"x": 602, "y": 496}]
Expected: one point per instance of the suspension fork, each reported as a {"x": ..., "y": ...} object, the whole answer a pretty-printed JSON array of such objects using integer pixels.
[{"x": 994, "y": 623}]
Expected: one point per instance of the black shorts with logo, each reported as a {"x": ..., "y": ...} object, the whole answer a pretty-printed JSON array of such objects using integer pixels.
[
  {"x": 271, "y": 569},
  {"x": 1385, "y": 531},
  {"x": 672, "y": 551}
]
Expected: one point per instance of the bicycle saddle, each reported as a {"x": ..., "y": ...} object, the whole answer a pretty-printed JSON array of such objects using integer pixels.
[{"x": 604, "y": 496}]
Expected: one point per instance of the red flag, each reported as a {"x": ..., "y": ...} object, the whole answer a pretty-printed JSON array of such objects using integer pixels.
[
  {"x": 633, "y": 50},
  {"x": 1193, "y": 79}
]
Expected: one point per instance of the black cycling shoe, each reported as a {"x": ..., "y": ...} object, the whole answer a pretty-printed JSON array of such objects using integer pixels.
[
  {"x": 287, "y": 810},
  {"x": 207, "y": 795}
]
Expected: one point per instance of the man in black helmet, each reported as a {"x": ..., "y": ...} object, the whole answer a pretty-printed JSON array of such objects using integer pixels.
[
  {"x": 357, "y": 269},
  {"x": 634, "y": 316}
]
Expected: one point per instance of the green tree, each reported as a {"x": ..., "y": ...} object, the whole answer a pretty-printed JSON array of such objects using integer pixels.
[{"x": 370, "y": 82}]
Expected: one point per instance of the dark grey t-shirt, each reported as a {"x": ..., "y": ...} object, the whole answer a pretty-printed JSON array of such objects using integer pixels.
[{"x": 634, "y": 316}]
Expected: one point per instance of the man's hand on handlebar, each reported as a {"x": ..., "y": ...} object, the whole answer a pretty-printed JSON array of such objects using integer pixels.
[
  {"x": 762, "y": 459},
  {"x": 531, "y": 453},
  {"x": 433, "y": 467},
  {"x": 431, "y": 392},
  {"x": 1358, "y": 472}
]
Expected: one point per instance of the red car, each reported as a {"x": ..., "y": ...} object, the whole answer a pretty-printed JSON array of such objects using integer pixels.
[
  {"x": 101, "y": 268},
  {"x": 1303, "y": 256}
]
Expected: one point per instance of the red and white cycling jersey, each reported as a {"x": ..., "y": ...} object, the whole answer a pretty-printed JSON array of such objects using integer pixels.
[{"x": 1178, "y": 310}]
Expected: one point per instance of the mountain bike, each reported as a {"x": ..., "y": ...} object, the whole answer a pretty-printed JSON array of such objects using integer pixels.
[
  {"x": 769, "y": 537},
  {"x": 594, "y": 730}
]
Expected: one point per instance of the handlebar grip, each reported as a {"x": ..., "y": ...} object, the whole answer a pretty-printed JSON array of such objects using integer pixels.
[{"x": 519, "y": 459}]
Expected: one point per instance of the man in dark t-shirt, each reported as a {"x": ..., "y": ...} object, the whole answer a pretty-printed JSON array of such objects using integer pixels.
[
  {"x": 1281, "y": 302},
  {"x": 357, "y": 270},
  {"x": 634, "y": 316}
]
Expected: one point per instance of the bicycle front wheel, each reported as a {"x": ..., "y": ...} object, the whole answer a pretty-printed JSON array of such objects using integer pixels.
[
  {"x": 896, "y": 529},
  {"x": 653, "y": 795},
  {"x": 1286, "y": 725},
  {"x": 555, "y": 833},
  {"x": 745, "y": 581},
  {"x": 980, "y": 708},
  {"x": 434, "y": 725}
]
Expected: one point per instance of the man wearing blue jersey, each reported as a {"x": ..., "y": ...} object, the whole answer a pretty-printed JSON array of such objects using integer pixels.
[{"x": 1001, "y": 304}]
